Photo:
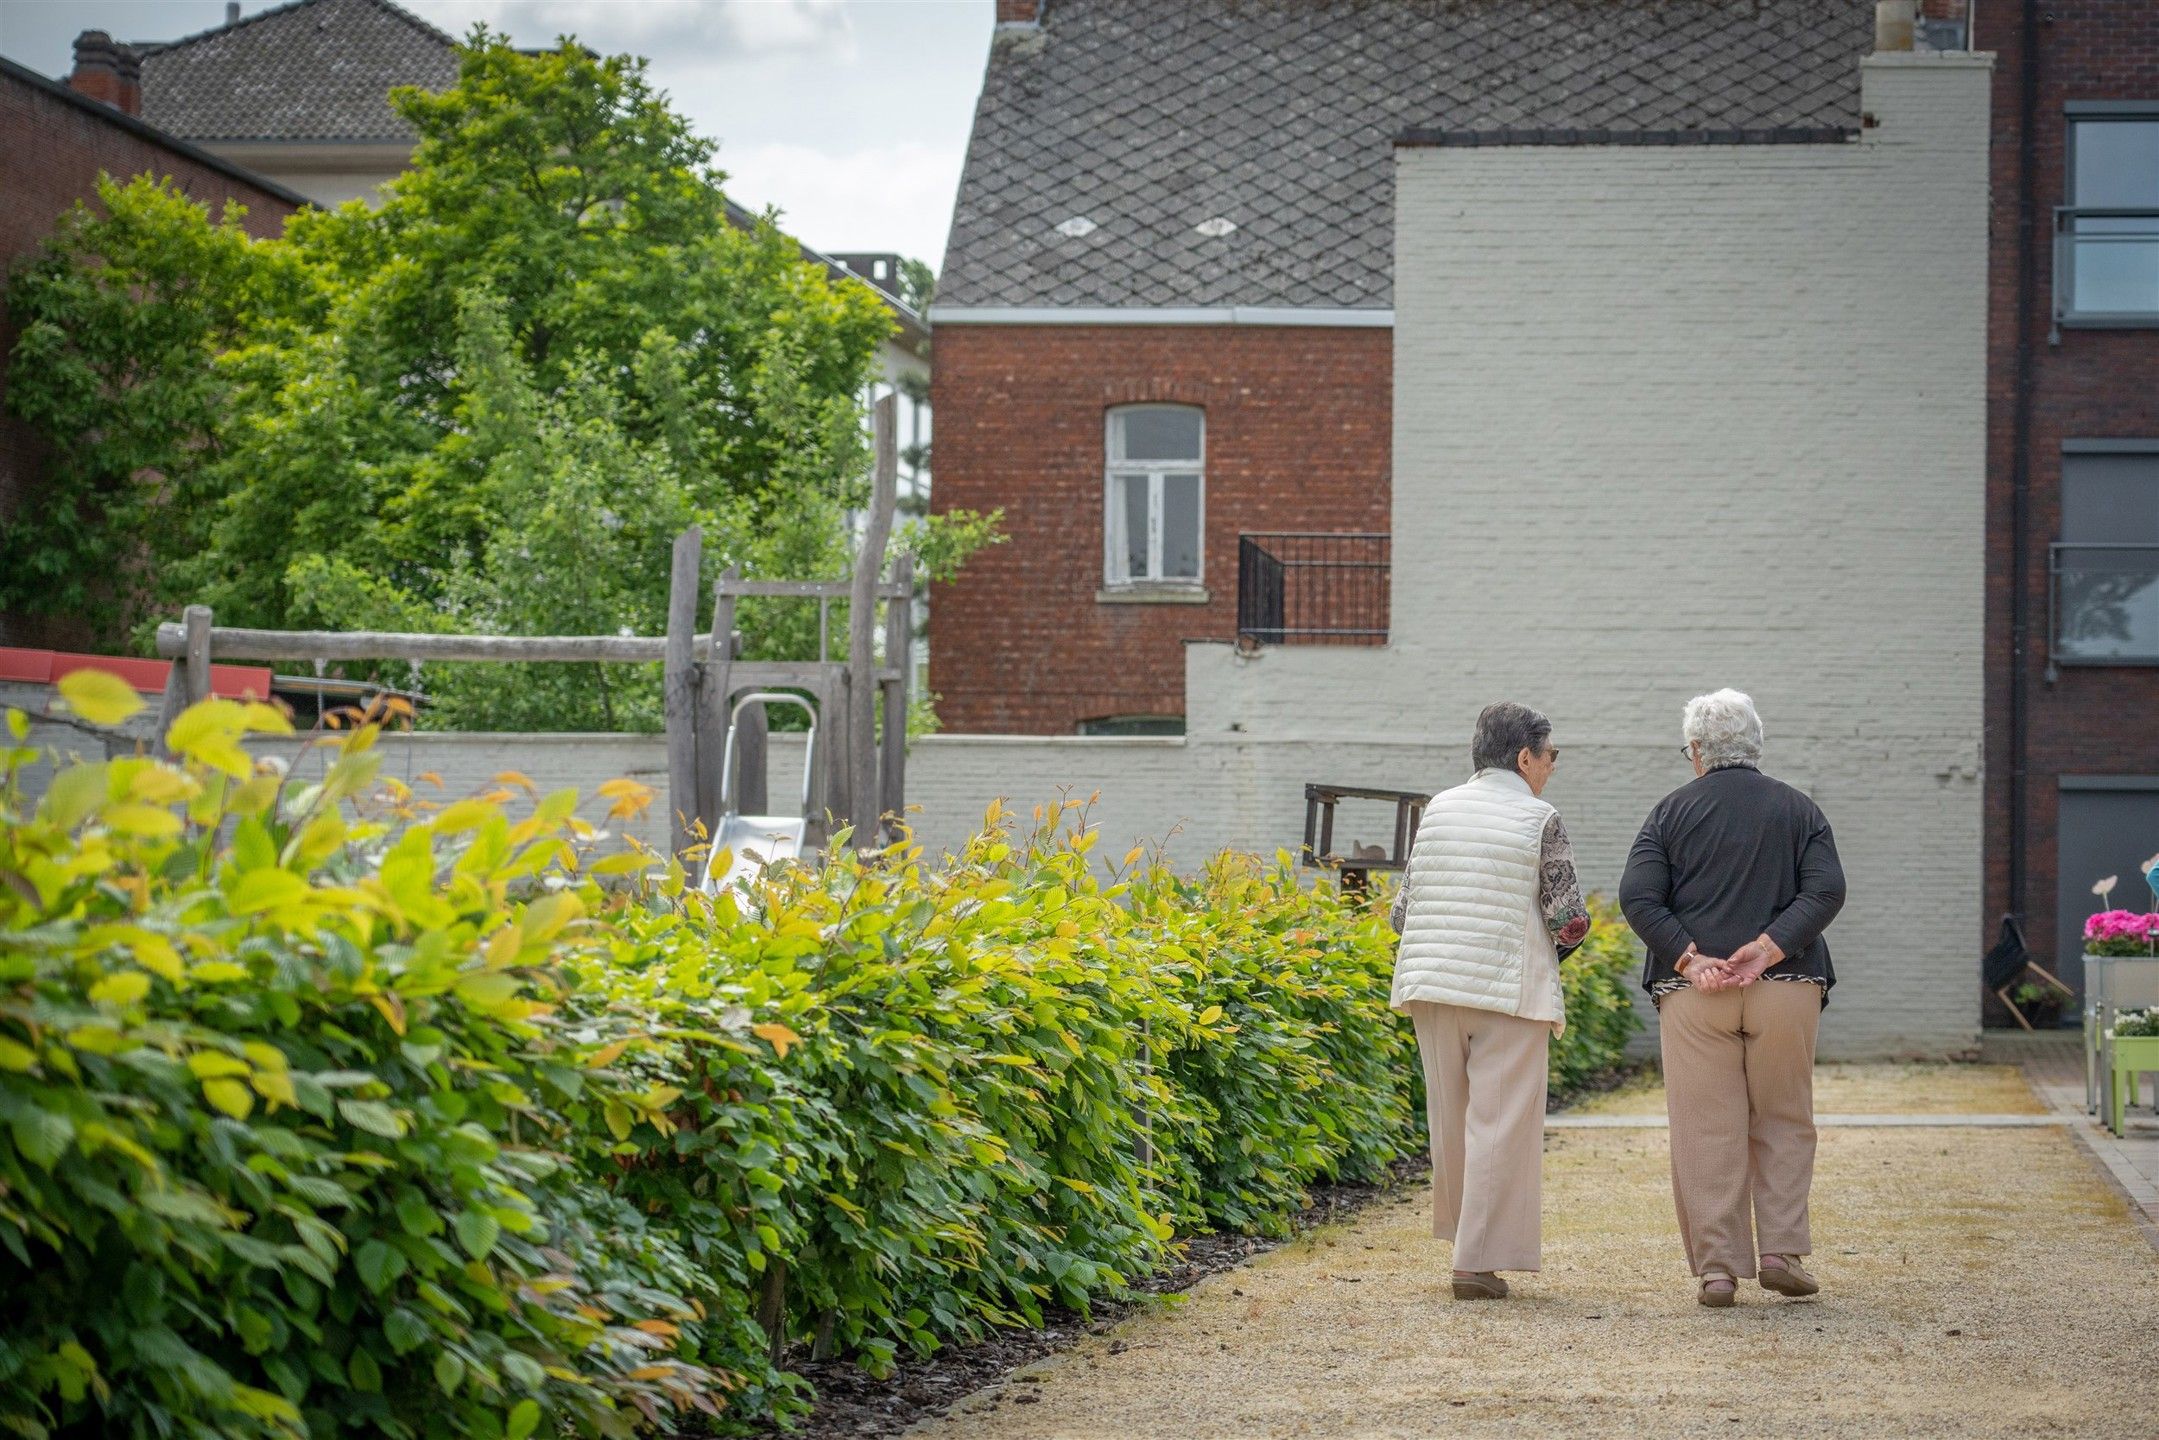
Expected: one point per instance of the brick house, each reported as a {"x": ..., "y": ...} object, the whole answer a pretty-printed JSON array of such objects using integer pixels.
[
  {"x": 1174, "y": 231},
  {"x": 54, "y": 143},
  {"x": 1680, "y": 314},
  {"x": 2072, "y": 463}
]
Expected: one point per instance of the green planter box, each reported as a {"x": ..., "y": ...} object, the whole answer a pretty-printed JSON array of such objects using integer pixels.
[{"x": 2133, "y": 1054}]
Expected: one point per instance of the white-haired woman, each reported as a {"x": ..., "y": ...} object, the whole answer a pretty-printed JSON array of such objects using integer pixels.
[
  {"x": 1488, "y": 908},
  {"x": 1731, "y": 883}
]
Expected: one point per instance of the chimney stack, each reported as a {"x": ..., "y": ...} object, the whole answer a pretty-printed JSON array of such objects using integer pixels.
[
  {"x": 1893, "y": 24},
  {"x": 1020, "y": 12},
  {"x": 232, "y": 12},
  {"x": 107, "y": 71}
]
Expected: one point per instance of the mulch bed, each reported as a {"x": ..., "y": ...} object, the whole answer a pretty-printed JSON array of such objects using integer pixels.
[{"x": 852, "y": 1403}]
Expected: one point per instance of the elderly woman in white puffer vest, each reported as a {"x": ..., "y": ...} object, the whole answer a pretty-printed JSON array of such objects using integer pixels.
[{"x": 1489, "y": 906}]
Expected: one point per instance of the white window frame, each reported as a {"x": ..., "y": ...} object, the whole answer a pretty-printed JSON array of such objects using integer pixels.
[{"x": 1115, "y": 470}]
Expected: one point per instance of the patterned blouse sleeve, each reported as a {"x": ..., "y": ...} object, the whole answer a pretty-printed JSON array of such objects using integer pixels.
[
  {"x": 1398, "y": 912},
  {"x": 1561, "y": 891}
]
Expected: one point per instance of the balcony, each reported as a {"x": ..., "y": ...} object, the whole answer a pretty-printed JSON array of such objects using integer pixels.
[
  {"x": 2103, "y": 604},
  {"x": 1310, "y": 588},
  {"x": 2106, "y": 267}
]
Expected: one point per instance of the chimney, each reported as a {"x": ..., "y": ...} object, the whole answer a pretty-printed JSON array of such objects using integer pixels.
[
  {"x": 232, "y": 12},
  {"x": 1019, "y": 12},
  {"x": 1893, "y": 24},
  {"x": 107, "y": 71}
]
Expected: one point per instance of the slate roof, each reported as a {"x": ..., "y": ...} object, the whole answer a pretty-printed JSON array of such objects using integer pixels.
[
  {"x": 1148, "y": 119},
  {"x": 311, "y": 70}
]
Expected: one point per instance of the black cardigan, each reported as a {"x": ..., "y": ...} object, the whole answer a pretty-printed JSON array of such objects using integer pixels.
[{"x": 1728, "y": 857}]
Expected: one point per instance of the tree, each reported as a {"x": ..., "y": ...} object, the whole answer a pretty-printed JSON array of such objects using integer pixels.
[
  {"x": 120, "y": 319},
  {"x": 487, "y": 404},
  {"x": 918, "y": 285}
]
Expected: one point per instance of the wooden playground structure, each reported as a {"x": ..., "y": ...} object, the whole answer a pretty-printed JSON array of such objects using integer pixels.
[{"x": 714, "y": 698}]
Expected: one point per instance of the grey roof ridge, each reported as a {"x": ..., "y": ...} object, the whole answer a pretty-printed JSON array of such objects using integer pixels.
[
  {"x": 152, "y": 47},
  {"x": 911, "y": 321},
  {"x": 1424, "y": 137},
  {"x": 135, "y": 125}
]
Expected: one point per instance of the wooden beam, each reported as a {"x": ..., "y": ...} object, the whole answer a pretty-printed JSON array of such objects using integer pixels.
[
  {"x": 679, "y": 694},
  {"x": 195, "y": 636},
  {"x": 893, "y": 681},
  {"x": 861, "y": 627},
  {"x": 712, "y": 698},
  {"x": 233, "y": 643},
  {"x": 799, "y": 589},
  {"x": 781, "y": 675}
]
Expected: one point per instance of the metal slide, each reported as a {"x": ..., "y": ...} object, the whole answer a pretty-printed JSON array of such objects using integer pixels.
[{"x": 751, "y": 842}]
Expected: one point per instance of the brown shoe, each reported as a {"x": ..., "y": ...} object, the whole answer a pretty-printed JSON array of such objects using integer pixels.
[
  {"x": 1484, "y": 1285},
  {"x": 1786, "y": 1278},
  {"x": 1717, "y": 1299}
]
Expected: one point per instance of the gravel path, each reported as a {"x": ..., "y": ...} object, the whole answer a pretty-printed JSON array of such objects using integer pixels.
[{"x": 1977, "y": 1283}]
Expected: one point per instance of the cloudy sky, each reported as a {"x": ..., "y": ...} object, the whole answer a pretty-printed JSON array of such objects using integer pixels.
[{"x": 851, "y": 116}]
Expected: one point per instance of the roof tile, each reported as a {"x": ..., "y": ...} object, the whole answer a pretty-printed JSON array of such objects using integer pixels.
[
  {"x": 1280, "y": 115},
  {"x": 313, "y": 70}
]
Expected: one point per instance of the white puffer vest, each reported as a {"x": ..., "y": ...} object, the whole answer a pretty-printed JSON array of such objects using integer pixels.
[{"x": 1473, "y": 883}]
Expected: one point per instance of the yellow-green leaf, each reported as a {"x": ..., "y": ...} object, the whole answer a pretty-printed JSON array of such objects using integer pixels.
[
  {"x": 151, "y": 822},
  {"x": 124, "y": 988},
  {"x": 73, "y": 794},
  {"x": 260, "y": 890},
  {"x": 14, "y": 1056},
  {"x": 99, "y": 696},
  {"x": 229, "y": 1096},
  {"x": 212, "y": 1064}
]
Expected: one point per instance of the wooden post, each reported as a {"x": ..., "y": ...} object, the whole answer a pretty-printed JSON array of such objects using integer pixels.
[
  {"x": 751, "y": 767},
  {"x": 899, "y": 657},
  {"x": 680, "y": 692},
  {"x": 196, "y": 619},
  {"x": 861, "y": 629},
  {"x": 169, "y": 707},
  {"x": 712, "y": 697}
]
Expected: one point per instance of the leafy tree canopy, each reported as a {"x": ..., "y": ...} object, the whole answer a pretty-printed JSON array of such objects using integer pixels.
[{"x": 485, "y": 405}]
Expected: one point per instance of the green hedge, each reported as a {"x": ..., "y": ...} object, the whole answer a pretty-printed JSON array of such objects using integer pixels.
[
  {"x": 319, "y": 1117},
  {"x": 1599, "y": 982}
]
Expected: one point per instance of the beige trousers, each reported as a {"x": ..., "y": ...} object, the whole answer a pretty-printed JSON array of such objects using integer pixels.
[
  {"x": 1484, "y": 1080},
  {"x": 1739, "y": 1087}
]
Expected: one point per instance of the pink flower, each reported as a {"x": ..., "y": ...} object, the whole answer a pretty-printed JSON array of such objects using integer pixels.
[{"x": 2122, "y": 925}]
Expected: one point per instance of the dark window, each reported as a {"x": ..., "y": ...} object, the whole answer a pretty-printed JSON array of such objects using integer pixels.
[
  {"x": 1133, "y": 725},
  {"x": 2107, "y": 235},
  {"x": 2106, "y": 566}
]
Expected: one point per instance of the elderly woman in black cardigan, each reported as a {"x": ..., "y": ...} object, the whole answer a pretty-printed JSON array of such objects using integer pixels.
[{"x": 1730, "y": 885}]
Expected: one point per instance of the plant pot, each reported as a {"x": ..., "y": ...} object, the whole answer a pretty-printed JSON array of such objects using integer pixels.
[
  {"x": 2044, "y": 1014},
  {"x": 2132, "y": 1055}
]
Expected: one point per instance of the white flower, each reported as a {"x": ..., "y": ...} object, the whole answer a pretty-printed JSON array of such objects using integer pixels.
[{"x": 2105, "y": 887}]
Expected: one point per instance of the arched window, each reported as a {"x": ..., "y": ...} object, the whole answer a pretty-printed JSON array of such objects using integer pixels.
[{"x": 1154, "y": 495}]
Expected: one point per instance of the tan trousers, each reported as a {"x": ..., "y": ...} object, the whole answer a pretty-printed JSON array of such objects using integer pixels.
[
  {"x": 1484, "y": 1080},
  {"x": 1739, "y": 1087}
]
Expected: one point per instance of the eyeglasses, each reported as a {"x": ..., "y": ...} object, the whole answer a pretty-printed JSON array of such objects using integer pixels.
[
  {"x": 1551, "y": 754},
  {"x": 1687, "y": 749}
]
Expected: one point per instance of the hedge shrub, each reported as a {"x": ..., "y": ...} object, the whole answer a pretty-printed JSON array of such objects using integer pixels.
[
  {"x": 281, "y": 1152},
  {"x": 322, "y": 1118}
]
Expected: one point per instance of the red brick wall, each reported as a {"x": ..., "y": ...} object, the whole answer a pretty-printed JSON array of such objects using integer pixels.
[
  {"x": 2096, "y": 384},
  {"x": 1297, "y": 439},
  {"x": 52, "y": 149}
]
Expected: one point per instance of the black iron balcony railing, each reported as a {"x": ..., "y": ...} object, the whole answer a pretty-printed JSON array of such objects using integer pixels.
[
  {"x": 1308, "y": 588},
  {"x": 2106, "y": 267},
  {"x": 2103, "y": 604}
]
